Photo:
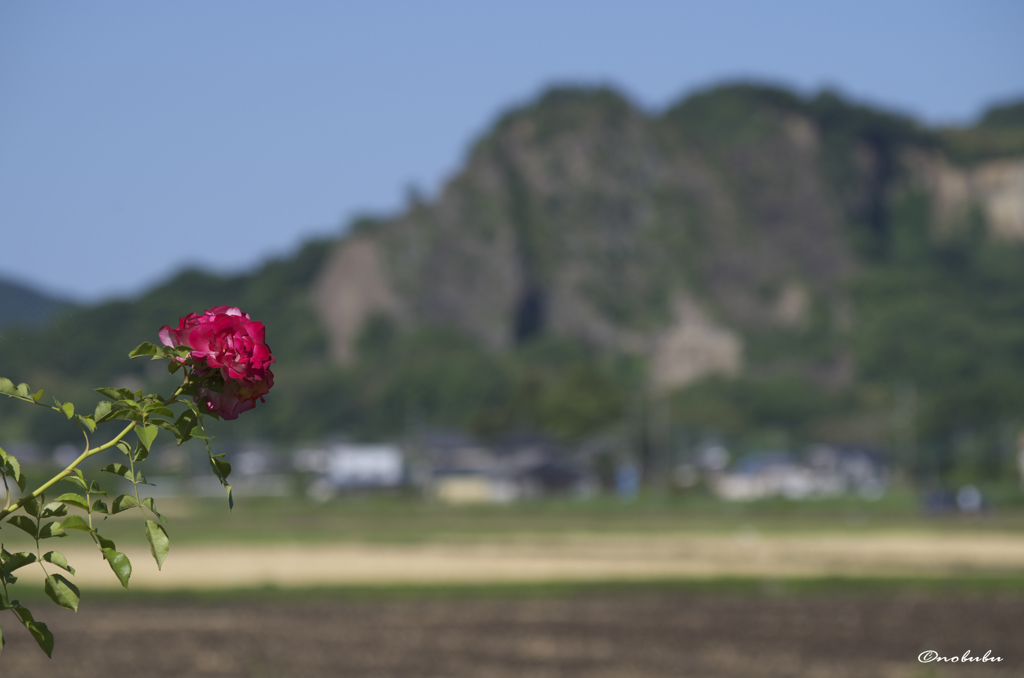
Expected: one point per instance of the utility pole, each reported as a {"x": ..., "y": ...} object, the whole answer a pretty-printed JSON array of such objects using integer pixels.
[{"x": 905, "y": 414}]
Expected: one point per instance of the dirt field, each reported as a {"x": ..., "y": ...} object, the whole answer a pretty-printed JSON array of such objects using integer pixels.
[
  {"x": 597, "y": 636},
  {"x": 581, "y": 557}
]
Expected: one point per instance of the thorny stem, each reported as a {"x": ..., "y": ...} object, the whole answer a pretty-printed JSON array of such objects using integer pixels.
[
  {"x": 39, "y": 550},
  {"x": 135, "y": 484},
  {"x": 8, "y": 509},
  {"x": 67, "y": 471}
]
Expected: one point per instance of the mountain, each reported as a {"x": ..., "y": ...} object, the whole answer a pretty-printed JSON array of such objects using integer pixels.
[
  {"x": 22, "y": 306},
  {"x": 742, "y": 210},
  {"x": 766, "y": 264}
]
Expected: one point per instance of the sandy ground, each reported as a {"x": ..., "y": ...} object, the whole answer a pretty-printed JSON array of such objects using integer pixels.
[
  {"x": 632, "y": 635},
  {"x": 566, "y": 558}
]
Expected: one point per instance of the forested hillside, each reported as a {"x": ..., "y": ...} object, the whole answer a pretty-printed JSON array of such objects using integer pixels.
[
  {"x": 754, "y": 265},
  {"x": 21, "y": 306}
]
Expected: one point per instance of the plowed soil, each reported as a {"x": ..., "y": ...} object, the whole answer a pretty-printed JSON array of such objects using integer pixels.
[{"x": 626, "y": 634}]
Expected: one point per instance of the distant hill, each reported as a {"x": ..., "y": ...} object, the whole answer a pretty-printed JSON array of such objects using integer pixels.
[
  {"x": 773, "y": 267},
  {"x": 22, "y": 306}
]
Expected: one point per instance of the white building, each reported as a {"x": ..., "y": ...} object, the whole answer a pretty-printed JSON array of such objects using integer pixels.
[{"x": 350, "y": 465}]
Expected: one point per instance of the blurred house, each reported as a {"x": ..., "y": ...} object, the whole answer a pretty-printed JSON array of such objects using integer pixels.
[
  {"x": 350, "y": 466},
  {"x": 826, "y": 471},
  {"x": 460, "y": 470},
  {"x": 515, "y": 466}
]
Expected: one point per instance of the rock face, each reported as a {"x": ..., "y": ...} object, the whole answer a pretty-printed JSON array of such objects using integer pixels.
[
  {"x": 353, "y": 286},
  {"x": 669, "y": 236},
  {"x": 693, "y": 347},
  {"x": 996, "y": 187}
]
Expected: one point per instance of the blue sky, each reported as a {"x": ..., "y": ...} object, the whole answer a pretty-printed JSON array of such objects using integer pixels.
[{"x": 137, "y": 138}]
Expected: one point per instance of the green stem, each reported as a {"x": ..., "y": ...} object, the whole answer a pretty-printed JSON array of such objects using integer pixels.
[
  {"x": 66, "y": 472},
  {"x": 39, "y": 548},
  {"x": 135, "y": 485},
  {"x": 7, "y": 489}
]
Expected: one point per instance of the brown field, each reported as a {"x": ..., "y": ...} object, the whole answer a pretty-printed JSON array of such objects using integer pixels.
[
  {"x": 629, "y": 634},
  {"x": 434, "y": 607}
]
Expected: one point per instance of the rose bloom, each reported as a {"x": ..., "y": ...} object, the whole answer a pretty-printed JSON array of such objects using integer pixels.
[
  {"x": 238, "y": 396},
  {"x": 228, "y": 341}
]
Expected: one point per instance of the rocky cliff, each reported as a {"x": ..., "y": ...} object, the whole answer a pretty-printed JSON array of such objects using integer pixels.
[{"x": 673, "y": 236}]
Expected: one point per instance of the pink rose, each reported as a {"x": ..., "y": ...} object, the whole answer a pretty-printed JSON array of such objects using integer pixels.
[
  {"x": 239, "y": 395},
  {"x": 228, "y": 341}
]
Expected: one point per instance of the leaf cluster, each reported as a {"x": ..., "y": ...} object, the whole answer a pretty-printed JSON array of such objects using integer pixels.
[{"x": 146, "y": 416}]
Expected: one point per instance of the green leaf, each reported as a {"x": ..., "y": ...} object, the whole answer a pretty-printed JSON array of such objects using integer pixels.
[
  {"x": 128, "y": 403},
  {"x": 151, "y": 505},
  {"x": 221, "y": 467},
  {"x": 42, "y": 635},
  {"x": 173, "y": 366},
  {"x": 94, "y": 488},
  {"x": 127, "y": 415},
  {"x": 103, "y": 409},
  {"x": 62, "y": 592},
  {"x": 9, "y": 460},
  {"x": 72, "y": 499},
  {"x": 54, "y": 509},
  {"x": 146, "y": 434},
  {"x": 7, "y": 387},
  {"x": 159, "y": 543},
  {"x": 123, "y": 503},
  {"x": 25, "y": 523},
  {"x": 117, "y": 394},
  {"x": 75, "y": 523},
  {"x": 158, "y": 409},
  {"x": 23, "y": 390},
  {"x": 25, "y": 613},
  {"x": 50, "y": 530},
  {"x": 32, "y": 507},
  {"x": 111, "y": 393},
  {"x": 118, "y": 470},
  {"x": 186, "y": 422},
  {"x": 145, "y": 348},
  {"x": 88, "y": 421},
  {"x": 169, "y": 426},
  {"x": 140, "y": 453},
  {"x": 19, "y": 559},
  {"x": 104, "y": 542},
  {"x": 76, "y": 479},
  {"x": 58, "y": 559},
  {"x": 120, "y": 564},
  {"x": 100, "y": 507},
  {"x": 68, "y": 409}
]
